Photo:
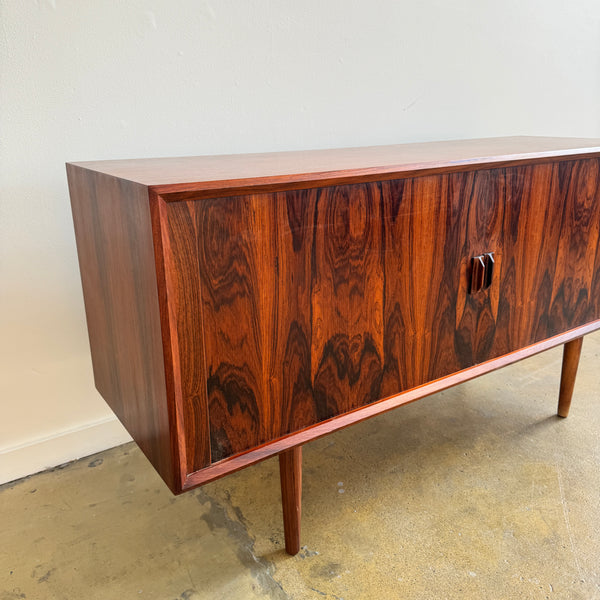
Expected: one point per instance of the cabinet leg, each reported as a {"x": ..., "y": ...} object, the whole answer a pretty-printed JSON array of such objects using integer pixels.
[
  {"x": 571, "y": 354},
  {"x": 290, "y": 471}
]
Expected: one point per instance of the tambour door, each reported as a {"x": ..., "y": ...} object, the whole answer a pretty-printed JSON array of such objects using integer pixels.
[
  {"x": 293, "y": 307},
  {"x": 540, "y": 223},
  {"x": 550, "y": 277}
]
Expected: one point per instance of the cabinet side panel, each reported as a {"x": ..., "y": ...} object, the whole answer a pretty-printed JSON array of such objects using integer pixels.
[{"x": 116, "y": 259}]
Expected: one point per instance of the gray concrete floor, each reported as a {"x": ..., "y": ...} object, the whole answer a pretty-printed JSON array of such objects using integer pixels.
[{"x": 477, "y": 492}]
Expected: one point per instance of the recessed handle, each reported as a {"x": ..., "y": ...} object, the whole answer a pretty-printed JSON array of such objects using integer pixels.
[
  {"x": 482, "y": 272},
  {"x": 477, "y": 274},
  {"x": 488, "y": 259}
]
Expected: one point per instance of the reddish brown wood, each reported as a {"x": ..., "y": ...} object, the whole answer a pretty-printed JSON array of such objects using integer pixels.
[
  {"x": 235, "y": 463},
  {"x": 318, "y": 302},
  {"x": 183, "y": 333},
  {"x": 290, "y": 473},
  {"x": 571, "y": 354},
  {"x": 252, "y": 322},
  {"x": 116, "y": 258},
  {"x": 247, "y": 173}
]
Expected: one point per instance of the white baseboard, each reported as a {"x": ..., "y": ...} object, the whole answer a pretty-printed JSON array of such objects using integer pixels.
[{"x": 48, "y": 452}]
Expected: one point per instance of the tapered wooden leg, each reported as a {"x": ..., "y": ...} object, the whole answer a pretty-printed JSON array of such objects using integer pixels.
[
  {"x": 571, "y": 354},
  {"x": 290, "y": 471}
]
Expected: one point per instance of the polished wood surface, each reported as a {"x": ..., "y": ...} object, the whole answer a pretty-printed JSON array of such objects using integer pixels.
[
  {"x": 183, "y": 332},
  {"x": 241, "y": 306},
  {"x": 290, "y": 474},
  {"x": 572, "y": 351},
  {"x": 317, "y": 302},
  {"x": 116, "y": 258},
  {"x": 312, "y": 168},
  {"x": 244, "y": 459}
]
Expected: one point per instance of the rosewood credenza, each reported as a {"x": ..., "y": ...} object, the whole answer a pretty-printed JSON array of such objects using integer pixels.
[{"x": 239, "y": 306}]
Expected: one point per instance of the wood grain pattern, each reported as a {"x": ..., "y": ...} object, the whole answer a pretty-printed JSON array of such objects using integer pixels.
[
  {"x": 184, "y": 330},
  {"x": 238, "y": 306},
  {"x": 236, "y": 253},
  {"x": 551, "y": 239},
  {"x": 318, "y": 302},
  {"x": 244, "y": 459},
  {"x": 433, "y": 326},
  {"x": 116, "y": 256},
  {"x": 226, "y": 175},
  {"x": 346, "y": 299}
]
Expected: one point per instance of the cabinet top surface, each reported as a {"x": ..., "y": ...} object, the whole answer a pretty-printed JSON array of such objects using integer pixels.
[{"x": 323, "y": 165}]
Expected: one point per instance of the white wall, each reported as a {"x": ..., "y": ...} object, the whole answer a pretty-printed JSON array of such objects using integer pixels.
[{"x": 93, "y": 79}]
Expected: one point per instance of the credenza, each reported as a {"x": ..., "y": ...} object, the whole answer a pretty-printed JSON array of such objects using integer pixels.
[{"x": 239, "y": 306}]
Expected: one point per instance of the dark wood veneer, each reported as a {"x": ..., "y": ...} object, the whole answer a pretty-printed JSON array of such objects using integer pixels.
[
  {"x": 241, "y": 306},
  {"x": 244, "y": 459},
  {"x": 318, "y": 302}
]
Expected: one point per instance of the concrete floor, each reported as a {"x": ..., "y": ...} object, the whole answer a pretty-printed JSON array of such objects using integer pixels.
[{"x": 477, "y": 492}]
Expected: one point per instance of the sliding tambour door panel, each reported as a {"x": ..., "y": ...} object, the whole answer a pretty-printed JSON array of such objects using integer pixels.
[
  {"x": 292, "y": 309},
  {"x": 347, "y": 283},
  {"x": 290, "y": 367},
  {"x": 237, "y": 263},
  {"x": 573, "y": 300},
  {"x": 551, "y": 233},
  {"x": 542, "y": 224},
  {"x": 182, "y": 277},
  {"x": 304, "y": 305},
  {"x": 432, "y": 227},
  {"x": 594, "y": 295}
]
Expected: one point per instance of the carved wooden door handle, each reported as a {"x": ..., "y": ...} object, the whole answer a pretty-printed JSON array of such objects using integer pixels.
[{"x": 482, "y": 272}]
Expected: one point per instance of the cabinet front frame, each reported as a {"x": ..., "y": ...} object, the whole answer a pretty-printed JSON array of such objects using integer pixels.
[{"x": 194, "y": 441}]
